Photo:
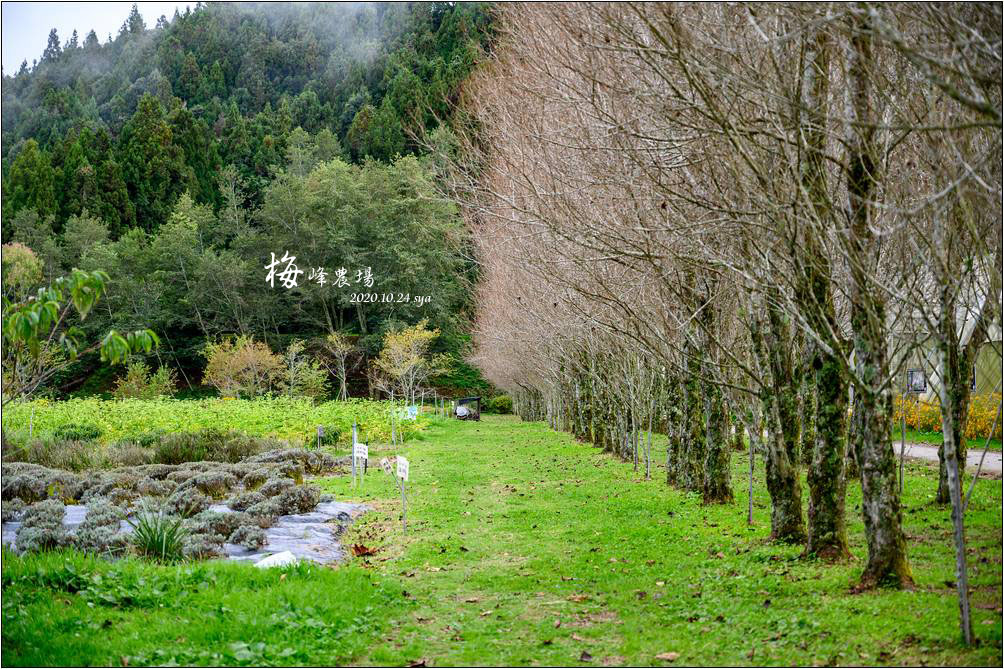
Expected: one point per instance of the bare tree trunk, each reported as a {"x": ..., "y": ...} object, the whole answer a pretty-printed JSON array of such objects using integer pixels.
[
  {"x": 952, "y": 430},
  {"x": 880, "y": 504}
]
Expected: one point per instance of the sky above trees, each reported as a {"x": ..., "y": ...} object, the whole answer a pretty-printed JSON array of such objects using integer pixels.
[{"x": 26, "y": 25}]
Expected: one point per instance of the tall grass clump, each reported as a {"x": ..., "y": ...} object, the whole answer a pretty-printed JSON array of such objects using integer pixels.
[{"x": 158, "y": 535}]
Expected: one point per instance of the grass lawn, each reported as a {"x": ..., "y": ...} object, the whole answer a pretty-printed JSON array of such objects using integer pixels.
[
  {"x": 526, "y": 547},
  {"x": 975, "y": 445}
]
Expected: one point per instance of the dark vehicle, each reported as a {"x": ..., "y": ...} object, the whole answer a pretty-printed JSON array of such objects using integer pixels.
[{"x": 468, "y": 408}]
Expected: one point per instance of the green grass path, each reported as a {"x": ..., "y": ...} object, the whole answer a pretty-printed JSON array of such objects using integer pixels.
[{"x": 526, "y": 547}]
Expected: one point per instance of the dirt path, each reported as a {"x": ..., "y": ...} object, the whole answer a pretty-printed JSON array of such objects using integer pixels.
[{"x": 991, "y": 464}]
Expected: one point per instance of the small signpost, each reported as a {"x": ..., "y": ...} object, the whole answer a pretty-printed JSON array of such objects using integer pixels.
[
  {"x": 320, "y": 435},
  {"x": 355, "y": 440},
  {"x": 361, "y": 452},
  {"x": 402, "y": 478}
]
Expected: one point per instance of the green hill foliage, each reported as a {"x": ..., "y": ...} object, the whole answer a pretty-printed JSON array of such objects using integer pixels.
[{"x": 178, "y": 158}]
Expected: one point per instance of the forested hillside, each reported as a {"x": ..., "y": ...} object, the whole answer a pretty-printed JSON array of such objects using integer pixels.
[{"x": 178, "y": 157}]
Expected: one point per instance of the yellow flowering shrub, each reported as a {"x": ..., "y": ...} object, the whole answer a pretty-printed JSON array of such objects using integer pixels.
[{"x": 925, "y": 416}]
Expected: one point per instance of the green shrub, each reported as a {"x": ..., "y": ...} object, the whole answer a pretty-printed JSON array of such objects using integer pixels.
[
  {"x": 209, "y": 444},
  {"x": 78, "y": 432},
  {"x": 99, "y": 532},
  {"x": 42, "y": 527},
  {"x": 279, "y": 418},
  {"x": 140, "y": 383},
  {"x": 244, "y": 501},
  {"x": 31, "y": 483},
  {"x": 331, "y": 435},
  {"x": 186, "y": 503},
  {"x": 180, "y": 447},
  {"x": 202, "y": 546},
  {"x": 12, "y": 509},
  {"x": 499, "y": 404},
  {"x": 127, "y": 454},
  {"x": 215, "y": 484},
  {"x": 215, "y": 523},
  {"x": 158, "y": 535},
  {"x": 273, "y": 487},
  {"x": 248, "y": 536},
  {"x": 153, "y": 488},
  {"x": 58, "y": 454}
]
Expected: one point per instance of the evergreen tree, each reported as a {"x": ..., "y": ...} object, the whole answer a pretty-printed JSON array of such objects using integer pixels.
[
  {"x": 52, "y": 48},
  {"x": 30, "y": 183},
  {"x": 152, "y": 165}
]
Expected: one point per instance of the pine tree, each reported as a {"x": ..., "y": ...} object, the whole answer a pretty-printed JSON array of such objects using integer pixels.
[
  {"x": 52, "y": 49},
  {"x": 30, "y": 183},
  {"x": 153, "y": 166}
]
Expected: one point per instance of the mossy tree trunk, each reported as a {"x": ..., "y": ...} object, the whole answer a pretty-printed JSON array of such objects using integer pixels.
[
  {"x": 675, "y": 412},
  {"x": 827, "y": 526},
  {"x": 773, "y": 344},
  {"x": 872, "y": 418},
  {"x": 717, "y": 474},
  {"x": 694, "y": 450},
  {"x": 717, "y": 486}
]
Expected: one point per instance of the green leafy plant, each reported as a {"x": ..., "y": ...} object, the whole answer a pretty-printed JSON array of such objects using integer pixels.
[
  {"x": 140, "y": 383},
  {"x": 158, "y": 535},
  {"x": 37, "y": 343},
  {"x": 78, "y": 432},
  {"x": 301, "y": 376},
  {"x": 146, "y": 421},
  {"x": 499, "y": 404},
  {"x": 241, "y": 367}
]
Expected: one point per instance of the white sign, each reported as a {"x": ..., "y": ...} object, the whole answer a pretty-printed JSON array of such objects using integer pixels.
[
  {"x": 361, "y": 451},
  {"x": 402, "y": 468},
  {"x": 412, "y": 412}
]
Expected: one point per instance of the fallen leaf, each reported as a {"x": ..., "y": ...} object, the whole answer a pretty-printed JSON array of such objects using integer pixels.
[
  {"x": 125, "y": 660},
  {"x": 435, "y": 569},
  {"x": 419, "y": 663},
  {"x": 485, "y": 613},
  {"x": 613, "y": 661},
  {"x": 720, "y": 555},
  {"x": 282, "y": 577},
  {"x": 471, "y": 600},
  {"x": 359, "y": 550},
  {"x": 576, "y": 637},
  {"x": 547, "y": 642},
  {"x": 578, "y": 598},
  {"x": 557, "y": 623},
  {"x": 585, "y": 657},
  {"x": 648, "y": 563},
  {"x": 660, "y": 583},
  {"x": 667, "y": 657}
]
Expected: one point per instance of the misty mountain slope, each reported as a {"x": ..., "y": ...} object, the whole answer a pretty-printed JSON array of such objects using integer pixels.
[{"x": 232, "y": 81}]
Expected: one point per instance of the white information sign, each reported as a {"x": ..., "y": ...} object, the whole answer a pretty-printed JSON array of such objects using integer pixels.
[
  {"x": 402, "y": 468},
  {"x": 361, "y": 451}
]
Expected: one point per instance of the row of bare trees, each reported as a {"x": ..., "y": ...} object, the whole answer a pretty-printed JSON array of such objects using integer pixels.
[{"x": 726, "y": 221}]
